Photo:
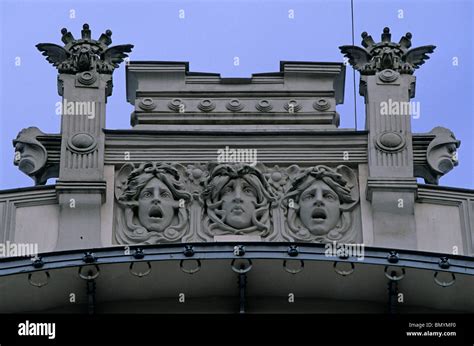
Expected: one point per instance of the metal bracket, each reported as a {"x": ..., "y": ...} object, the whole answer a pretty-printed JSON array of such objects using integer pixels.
[
  {"x": 91, "y": 288},
  {"x": 90, "y": 273},
  {"x": 242, "y": 269},
  {"x": 140, "y": 274},
  {"x": 393, "y": 274},
  {"x": 344, "y": 272},
  {"x": 192, "y": 270},
  {"x": 37, "y": 283},
  {"x": 444, "y": 283},
  {"x": 293, "y": 270},
  {"x": 392, "y": 296},
  {"x": 242, "y": 291}
]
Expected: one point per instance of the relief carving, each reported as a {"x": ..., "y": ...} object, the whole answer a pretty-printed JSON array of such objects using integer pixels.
[
  {"x": 319, "y": 203},
  {"x": 153, "y": 204},
  {"x": 237, "y": 200},
  {"x": 158, "y": 202}
]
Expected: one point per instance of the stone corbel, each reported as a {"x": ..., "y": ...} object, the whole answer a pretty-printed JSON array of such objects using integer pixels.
[
  {"x": 31, "y": 156},
  {"x": 440, "y": 155}
]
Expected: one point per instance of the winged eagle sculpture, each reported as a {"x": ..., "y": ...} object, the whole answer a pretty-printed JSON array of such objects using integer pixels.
[
  {"x": 85, "y": 54},
  {"x": 376, "y": 57}
]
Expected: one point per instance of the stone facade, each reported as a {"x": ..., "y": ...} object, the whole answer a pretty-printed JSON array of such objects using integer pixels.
[
  {"x": 208, "y": 153},
  {"x": 218, "y": 160}
]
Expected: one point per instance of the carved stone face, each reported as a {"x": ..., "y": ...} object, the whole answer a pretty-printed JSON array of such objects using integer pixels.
[
  {"x": 238, "y": 202},
  {"x": 156, "y": 206},
  {"x": 319, "y": 208},
  {"x": 443, "y": 156}
]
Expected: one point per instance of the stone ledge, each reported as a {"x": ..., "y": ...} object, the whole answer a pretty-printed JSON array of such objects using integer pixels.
[
  {"x": 85, "y": 187},
  {"x": 391, "y": 185}
]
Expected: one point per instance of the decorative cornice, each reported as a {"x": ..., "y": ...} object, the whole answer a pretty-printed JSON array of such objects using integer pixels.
[
  {"x": 277, "y": 147},
  {"x": 430, "y": 192},
  {"x": 285, "y": 97},
  {"x": 40, "y": 194},
  {"x": 165, "y": 78},
  {"x": 120, "y": 141}
]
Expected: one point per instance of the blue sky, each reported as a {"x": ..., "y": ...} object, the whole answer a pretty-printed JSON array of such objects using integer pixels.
[{"x": 259, "y": 32}]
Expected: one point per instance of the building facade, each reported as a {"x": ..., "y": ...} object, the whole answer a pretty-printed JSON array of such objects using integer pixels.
[{"x": 236, "y": 194}]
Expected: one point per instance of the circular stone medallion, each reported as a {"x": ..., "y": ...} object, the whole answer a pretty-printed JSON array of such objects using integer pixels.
[
  {"x": 82, "y": 142},
  {"x": 390, "y": 141}
]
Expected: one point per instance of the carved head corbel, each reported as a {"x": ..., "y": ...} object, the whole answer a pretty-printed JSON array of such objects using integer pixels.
[
  {"x": 31, "y": 156},
  {"x": 441, "y": 155}
]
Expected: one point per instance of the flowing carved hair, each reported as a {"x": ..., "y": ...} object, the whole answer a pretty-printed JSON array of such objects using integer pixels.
[
  {"x": 134, "y": 232},
  {"x": 341, "y": 185},
  {"x": 219, "y": 178}
]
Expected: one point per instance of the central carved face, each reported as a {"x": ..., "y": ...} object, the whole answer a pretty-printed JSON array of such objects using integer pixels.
[
  {"x": 156, "y": 206},
  {"x": 319, "y": 208},
  {"x": 238, "y": 202}
]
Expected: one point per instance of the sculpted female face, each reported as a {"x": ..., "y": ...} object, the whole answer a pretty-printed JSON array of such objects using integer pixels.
[
  {"x": 156, "y": 206},
  {"x": 238, "y": 202},
  {"x": 319, "y": 208}
]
